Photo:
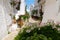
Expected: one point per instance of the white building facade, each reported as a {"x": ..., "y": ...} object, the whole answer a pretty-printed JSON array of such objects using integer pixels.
[{"x": 51, "y": 10}]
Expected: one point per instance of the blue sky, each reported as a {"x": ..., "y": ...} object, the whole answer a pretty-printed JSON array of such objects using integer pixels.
[{"x": 29, "y": 2}]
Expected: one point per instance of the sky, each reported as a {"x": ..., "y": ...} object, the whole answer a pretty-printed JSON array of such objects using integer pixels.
[{"x": 28, "y": 3}]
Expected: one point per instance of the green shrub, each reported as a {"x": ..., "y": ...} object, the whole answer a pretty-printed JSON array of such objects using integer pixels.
[{"x": 38, "y": 33}]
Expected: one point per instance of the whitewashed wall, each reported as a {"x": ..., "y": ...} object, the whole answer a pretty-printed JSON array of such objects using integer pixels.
[
  {"x": 57, "y": 19},
  {"x": 7, "y": 10},
  {"x": 50, "y": 10},
  {"x": 5, "y": 18}
]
